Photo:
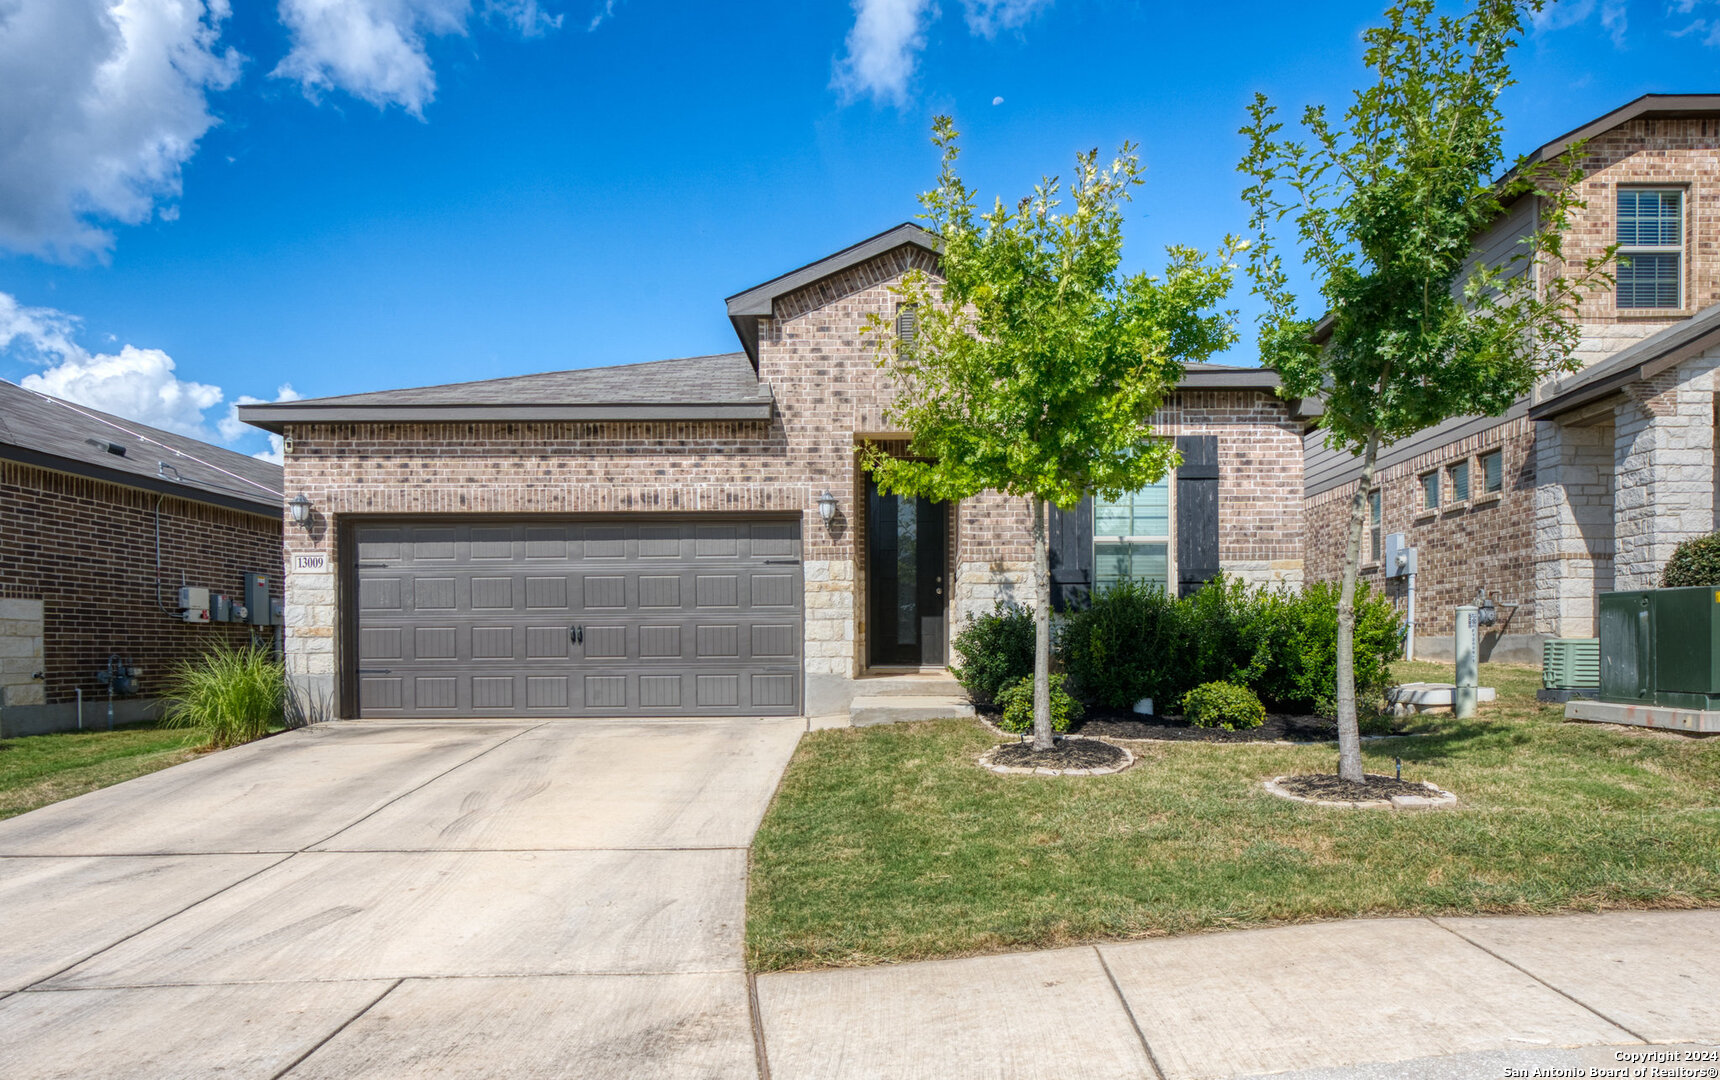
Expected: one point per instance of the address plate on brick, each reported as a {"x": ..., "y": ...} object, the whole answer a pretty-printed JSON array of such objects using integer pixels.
[{"x": 310, "y": 562}]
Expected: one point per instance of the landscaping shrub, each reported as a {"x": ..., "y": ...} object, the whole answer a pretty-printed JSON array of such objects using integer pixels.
[
  {"x": 1694, "y": 562},
  {"x": 1017, "y": 702},
  {"x": 229, "y": 695},
  {"x": 1134, "y": 641},
  {"x": 994, "y": 650},
  {"x": 1126, "y": 644},
  {"x": 1224, "y": 705}
]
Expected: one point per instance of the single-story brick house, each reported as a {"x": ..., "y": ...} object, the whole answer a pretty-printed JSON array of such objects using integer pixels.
[
  {"x": 1589, "y": 483},
  {"x": 648, "y": 539},
  {"x": 101, "y": 521}
]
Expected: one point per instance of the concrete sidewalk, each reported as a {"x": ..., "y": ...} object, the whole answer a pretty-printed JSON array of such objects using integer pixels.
[{"x": 1385, "y": 998}]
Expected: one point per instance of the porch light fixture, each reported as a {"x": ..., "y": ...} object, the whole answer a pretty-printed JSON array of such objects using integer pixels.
[
  {"x": 301, "y": 510},
  {"x": 827, "y": 506}
]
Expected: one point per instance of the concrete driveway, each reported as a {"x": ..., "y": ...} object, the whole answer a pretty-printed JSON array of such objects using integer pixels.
[{"x": 468, "y": 899}]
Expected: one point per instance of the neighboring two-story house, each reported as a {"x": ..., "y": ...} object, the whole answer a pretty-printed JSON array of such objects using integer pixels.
[
  {"x": 1590, "y": 483},
  {"x": 695, "y": 536}
]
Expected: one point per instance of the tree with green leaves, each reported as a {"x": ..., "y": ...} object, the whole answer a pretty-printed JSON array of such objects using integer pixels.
[
  {"x": 1387, "y": 203},
  {"x": 1035, "y": 366}
]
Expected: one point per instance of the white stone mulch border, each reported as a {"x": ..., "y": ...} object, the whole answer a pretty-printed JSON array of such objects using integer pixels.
[
  {"x": 986, "y": 763},
  {"x": 1437, "y": 798}
]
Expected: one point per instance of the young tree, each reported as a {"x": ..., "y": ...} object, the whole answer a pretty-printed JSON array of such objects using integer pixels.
[
  {"x": 1035, "y": 367},
  {"x": 1386, "y": 205}
]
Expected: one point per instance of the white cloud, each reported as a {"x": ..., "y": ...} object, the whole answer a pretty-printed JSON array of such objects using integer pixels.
[
  {"x": 1708, "y": 29},
  {"x": 101, "y": 104},
  {"x": 605, "y": 11},
  {"x": 888, "y": 37},
  {"x": 375, "y": 49},
  {"x": 233, "y": 429},
  {"x": 883, "y": 48},
  {"x": 138, "y": 384},
  {"x": 987, "y": 17},
  {"x": 1612, "y": 16}
]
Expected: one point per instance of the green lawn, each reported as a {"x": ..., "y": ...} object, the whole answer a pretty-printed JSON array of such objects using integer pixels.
[
  {"x": 40, "y": 769},
  {"x": 888, "y": 843}
]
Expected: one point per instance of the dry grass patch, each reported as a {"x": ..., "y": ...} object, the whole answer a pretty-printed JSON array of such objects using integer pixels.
[{"x": 889, "y": 844}]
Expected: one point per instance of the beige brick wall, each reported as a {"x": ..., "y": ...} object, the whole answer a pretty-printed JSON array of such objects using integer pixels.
[{"x": 829, "y": 394}]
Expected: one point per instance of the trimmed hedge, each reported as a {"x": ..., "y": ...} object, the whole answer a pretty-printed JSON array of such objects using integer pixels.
[
  {"x": 1134, "y": 641},
  {"x": 1694, "y": 562},
  {"x": 993, "y": 651}
]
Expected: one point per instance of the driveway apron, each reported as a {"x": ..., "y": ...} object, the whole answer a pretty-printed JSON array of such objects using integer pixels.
[{"x": 463, "y": 899}]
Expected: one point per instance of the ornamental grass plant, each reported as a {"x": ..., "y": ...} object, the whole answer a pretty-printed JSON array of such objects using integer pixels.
[{"x": 229, "y": 696}]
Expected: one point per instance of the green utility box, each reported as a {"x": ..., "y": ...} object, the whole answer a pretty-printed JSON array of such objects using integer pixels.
[{"x": 1661, "y": 647}]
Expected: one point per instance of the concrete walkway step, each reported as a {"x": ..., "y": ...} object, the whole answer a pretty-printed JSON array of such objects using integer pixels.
[
  {"x": 929, "y": 684},
  {"x": 897, "y": 710}
]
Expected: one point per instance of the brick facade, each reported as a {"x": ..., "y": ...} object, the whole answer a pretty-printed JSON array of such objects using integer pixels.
[
  {"x": 1594, "y": 502},
  {"x": 830, "y": 398},
  {"x": 82, "y": 551},
  {"x": 1485, "y": 542}
]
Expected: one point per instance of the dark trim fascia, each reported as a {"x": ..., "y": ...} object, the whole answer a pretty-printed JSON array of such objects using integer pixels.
[
  {"x": 1583, "y": 393},
  {"x": 1646, "y": 105},
  {"x": 119, "y": 478},
  {"x": 272, "y": 417},
  {"x": 1260, "y": 379}
]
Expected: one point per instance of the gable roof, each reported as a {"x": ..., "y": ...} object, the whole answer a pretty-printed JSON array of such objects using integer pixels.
[
  {"x": 1642, "y": 360},
  {"x": 745, "y": 307},
  {"x": 44, "y": 431},
  {"x": 719, "y": 387},
  {"x": 1648, "y": 105}
]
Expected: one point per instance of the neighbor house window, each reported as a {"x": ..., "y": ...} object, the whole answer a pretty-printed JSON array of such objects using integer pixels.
[
  {"x": 907, "y": 322},
  {"x": 1430, "y": 490},
  {"x": 1650, "y": 248},
  {"x": 1132, "y": 536},
  {"x": 1493, "y": 472},
  {"x": 1460, "y": 481},
  {"x": 1374, "y": 540}
]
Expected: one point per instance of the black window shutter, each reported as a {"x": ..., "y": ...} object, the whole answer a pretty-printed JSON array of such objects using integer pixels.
[
  {"x": 1197, "y": 512},
  {"x": 1071, "y": 535}
]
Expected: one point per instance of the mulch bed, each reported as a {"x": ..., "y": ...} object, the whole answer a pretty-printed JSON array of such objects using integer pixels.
[
  {"x": 1329, "y": 786},
  {"x": 1068, "y": 754},
  {"x": 1278, "y": 727}
]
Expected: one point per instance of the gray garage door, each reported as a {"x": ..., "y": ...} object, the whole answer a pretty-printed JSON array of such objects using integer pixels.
[{"x": 647, "y": 618}]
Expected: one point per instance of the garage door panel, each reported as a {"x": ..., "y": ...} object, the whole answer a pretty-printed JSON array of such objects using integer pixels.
[{"x": 673, "y": 618}]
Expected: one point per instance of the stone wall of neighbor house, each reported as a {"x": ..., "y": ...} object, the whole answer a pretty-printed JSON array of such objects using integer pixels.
[
  {"x": 80, "y": 555},
  {"x": 1573, "y": 524},
  {"x": 1483, "y": 543},
  {"x": 1663, "y": 461},
  {"x": 830, "y": 398}
]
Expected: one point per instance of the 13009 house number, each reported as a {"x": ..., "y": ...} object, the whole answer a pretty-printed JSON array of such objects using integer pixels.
[{"x": 310, "y": 562}]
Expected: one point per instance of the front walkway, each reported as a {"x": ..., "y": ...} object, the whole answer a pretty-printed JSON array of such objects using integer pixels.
[
  {"x": 1379, "y": 998},
  {"x": 358, "y": 900}
]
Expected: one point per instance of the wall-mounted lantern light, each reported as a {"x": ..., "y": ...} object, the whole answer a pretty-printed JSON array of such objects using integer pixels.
[
  {"x": 827, "y": 506},
  {"x": 301, "y": 510}
]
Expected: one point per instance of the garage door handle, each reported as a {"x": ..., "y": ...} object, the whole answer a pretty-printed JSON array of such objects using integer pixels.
[
  {"x": 576, "y": 634},
  {"x": 375, "y": 671}
]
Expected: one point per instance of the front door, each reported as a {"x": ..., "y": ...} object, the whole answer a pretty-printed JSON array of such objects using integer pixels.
[{"x": 905, "y": 571}]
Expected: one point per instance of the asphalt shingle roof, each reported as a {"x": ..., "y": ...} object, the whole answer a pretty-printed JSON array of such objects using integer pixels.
[{"x": 42, "y": 430}]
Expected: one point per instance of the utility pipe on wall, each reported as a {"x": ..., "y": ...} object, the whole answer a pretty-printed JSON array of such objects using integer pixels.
[{"x": 1409, "y": 639}]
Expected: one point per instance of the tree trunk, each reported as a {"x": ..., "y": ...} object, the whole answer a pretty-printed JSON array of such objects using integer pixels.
[
  {"x": 1349, "y": 734},
  {"x": 1041, "y": 630}
]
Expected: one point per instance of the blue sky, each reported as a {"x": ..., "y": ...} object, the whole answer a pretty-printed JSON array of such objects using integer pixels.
[{"x": 200, "y": 204}]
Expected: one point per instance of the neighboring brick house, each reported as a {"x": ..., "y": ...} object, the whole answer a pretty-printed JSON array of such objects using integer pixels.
[
  {"x": 101, "y": 521},
  {"x": 1588, "y": 484},
  {"x": 652, "y": 538}
]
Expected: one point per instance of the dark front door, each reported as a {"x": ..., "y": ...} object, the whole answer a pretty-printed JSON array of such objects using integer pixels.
[{"x": 905, "y": 571}]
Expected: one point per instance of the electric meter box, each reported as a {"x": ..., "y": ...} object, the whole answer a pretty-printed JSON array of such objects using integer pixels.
[
  {"x": 257, "y": 600},
  {"x": 1399, "y": 556},
  {"x": 193, "y": 598}
]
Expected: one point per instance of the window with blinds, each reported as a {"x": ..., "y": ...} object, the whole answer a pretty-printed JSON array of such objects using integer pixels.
[
  {"x": 1131, "y": 536},
  {"x": 1460, "y": 481},
  {"x": 1650, "y": 248},
  {"x": 1374, "y": 540},
  {"x": 1492, "y": 472},
  {"x": 1430, "y": 490}
]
